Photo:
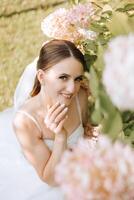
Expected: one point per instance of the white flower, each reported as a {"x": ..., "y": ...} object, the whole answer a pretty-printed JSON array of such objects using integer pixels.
[
  {"x": 118, "y": 75},
  {"x": 70, "y": 24},
  {"x": 98, "y": 172},
  {"x": 55, "y": 23},
  {"x": 87, "y": 34}
]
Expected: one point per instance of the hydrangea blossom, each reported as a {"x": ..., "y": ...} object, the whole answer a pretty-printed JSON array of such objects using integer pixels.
[
  {"x": 70, "y": 24},
  {"x": 118, "y": 75},
  {"x": 97, "y": 170},
  {"x": 81, "y": 15},
  {"x": 56, "y": 25}
]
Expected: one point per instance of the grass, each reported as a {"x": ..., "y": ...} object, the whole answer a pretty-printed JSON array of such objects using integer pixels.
[
  {"x": 20, "y": 41},
  {"x": 9, "y": 7}
]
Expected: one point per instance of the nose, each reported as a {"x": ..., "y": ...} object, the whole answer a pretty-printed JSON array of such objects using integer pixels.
[{"x": 71, "y": 86}]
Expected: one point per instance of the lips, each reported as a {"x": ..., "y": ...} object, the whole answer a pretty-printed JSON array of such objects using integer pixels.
[{"x": 67, "y": 96}]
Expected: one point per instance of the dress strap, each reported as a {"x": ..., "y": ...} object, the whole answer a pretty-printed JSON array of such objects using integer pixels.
[
  {"x": 30, "y": 117},
  {"x": 79, "y": 109}
]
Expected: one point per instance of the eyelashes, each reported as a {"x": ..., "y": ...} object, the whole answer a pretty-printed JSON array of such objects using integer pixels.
[
  {"x": 79, "y": 79},
  {"x": 66, "y": 78},
  {"x": 63, "y": 77}
]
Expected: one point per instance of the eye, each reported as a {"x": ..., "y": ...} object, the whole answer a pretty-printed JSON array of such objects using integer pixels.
[
  {"x": 63, "y": 77},
  {"x": 79, "y": 79}
]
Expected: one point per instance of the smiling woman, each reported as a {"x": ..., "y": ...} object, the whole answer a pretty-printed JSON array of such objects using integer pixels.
[
  {"x": 60, "y": 82},
  {"x": 49, "y": 120}
]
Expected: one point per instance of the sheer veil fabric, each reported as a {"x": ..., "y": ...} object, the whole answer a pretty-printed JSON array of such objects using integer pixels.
[
  {"x": 18, "y": 179},
  {"x": 25, "y": 84}
]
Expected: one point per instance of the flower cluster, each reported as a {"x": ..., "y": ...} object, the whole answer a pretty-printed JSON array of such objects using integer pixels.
[
  {"x": 97, "y": 170},
  {"x": 70, "y": 24},
  {"x": 118, "y": 75}
]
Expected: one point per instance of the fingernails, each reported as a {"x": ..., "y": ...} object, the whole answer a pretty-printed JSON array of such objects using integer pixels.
[
  {"x": 57, "y": 103},
  {"x": 63, "y": 105}
]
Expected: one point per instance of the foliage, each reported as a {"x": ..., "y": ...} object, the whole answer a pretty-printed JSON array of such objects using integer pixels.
[{"x": 113, "y": 18}]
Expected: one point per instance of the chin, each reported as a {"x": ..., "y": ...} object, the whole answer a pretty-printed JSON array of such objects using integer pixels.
[{"x": 66, "y": 101}]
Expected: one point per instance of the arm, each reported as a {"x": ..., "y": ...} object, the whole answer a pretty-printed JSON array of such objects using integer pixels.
[{"x": 36, "y": 151}]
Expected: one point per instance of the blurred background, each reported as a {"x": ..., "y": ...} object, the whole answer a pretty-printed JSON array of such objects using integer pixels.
[{"x": 20, "y": 40}]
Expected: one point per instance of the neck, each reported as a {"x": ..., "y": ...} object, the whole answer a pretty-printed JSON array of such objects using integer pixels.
[{"x": 43, "y": 102}]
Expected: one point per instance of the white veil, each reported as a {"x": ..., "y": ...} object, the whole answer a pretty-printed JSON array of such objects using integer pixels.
[{"x": 25, "y": 84}]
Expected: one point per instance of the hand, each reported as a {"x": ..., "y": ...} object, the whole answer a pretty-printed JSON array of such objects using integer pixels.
[{"x": 55, "y": 118}]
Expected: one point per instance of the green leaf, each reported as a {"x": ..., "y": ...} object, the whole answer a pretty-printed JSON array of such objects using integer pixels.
[
  {"x": 128, "y": 132},
  {"x": 90, "y": 59},
  {"x": 112, "y": 121},
  {"x": 130, "y": 139},
  {"x": 118, "y": 24},
  {"x": 98, "y": 27},
  {"x": 90, "y": 45},
  {"x": 105, "y": 102},
  {"x": 99, "y": 64},
  {"x": 127, "y": 116},
  {"x": 112, "y": 125},
  {"x": 73, "y": 2},
  {"x": 94, "y": 82},
  {"x": 104, "y": 38},
  {"x": 96, "y": 116},
  {"x": 129, "y": 7}
]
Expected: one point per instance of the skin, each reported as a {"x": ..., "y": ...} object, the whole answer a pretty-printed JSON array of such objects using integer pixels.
[
  {"x": 61, "y": 79},
  {"x": 56, "y": 112}
]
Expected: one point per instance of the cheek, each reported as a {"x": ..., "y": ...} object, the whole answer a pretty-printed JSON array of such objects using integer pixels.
[
  {"x": 53, "y": 86},
  {"x": 77, "y": 87}
]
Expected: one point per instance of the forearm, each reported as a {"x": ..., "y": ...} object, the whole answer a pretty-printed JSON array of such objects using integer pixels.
[{"x": 60, "y": 144}]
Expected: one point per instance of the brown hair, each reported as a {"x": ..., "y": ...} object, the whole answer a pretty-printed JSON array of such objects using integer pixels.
[{"x": 53, "y": 52}]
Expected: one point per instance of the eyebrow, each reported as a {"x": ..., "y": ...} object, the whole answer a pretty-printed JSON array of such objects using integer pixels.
[{"x": 64, "y": 74}]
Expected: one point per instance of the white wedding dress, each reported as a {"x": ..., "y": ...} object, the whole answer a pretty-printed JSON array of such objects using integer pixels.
[{"x": 18, "y": 179}]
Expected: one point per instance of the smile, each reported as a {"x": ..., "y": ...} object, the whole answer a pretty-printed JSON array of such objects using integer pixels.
[{"x": 67, "y": 96}]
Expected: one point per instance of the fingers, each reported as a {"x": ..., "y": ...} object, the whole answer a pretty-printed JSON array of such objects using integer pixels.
[
  {"x": 52, "y": 108},
  {"x": 60, "y": 125},
  {"x": 53, "y": 113},
  {"x": 61, "y": 115},
  {"x": 56, "y": 117}
]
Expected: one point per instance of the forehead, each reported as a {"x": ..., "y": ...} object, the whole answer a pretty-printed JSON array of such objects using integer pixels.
[{"x": 69, "y": 66}]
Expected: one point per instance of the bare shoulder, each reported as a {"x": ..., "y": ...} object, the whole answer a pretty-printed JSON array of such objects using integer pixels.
[
  {"x": 19, "y": 121},
  {"x": 23, "y": 127},
  {"x": 23, "y": 123}
]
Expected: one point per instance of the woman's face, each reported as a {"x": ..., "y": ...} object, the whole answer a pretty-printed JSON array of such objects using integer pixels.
[{"x": 62, "y": 81}]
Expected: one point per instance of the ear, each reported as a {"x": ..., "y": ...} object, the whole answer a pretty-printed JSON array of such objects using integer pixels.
[{"x": 41, "y": 76}]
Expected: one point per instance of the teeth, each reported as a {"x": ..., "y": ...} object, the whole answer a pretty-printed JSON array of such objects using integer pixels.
[{"x": 67, "y": 96}]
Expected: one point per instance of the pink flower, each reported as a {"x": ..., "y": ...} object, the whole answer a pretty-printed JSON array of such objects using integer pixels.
[
  {"x": 81, "y": 15},
  {"x": 70, "y": 24},
  {"x": 56, "y": 24},
  {"x": 97, "y": 170}
]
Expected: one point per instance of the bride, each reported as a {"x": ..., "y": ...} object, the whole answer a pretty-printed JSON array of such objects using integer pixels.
[{"x": 49, "y": 116}]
